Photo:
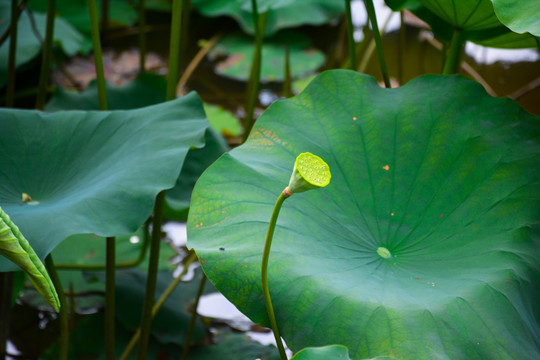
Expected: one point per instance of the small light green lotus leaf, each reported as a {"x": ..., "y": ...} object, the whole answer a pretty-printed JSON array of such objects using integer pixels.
[
  {"x": 16, "y": 248},
  {"x": 310, "y": 172},
  {"x": 330, "y": 352}
]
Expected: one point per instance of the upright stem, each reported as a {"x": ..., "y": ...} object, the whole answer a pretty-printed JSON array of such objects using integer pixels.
[
  {"x": 10, "y": 86},
  {"x": 146, "y": 318},
  {"x": 370, "y": 48},
  {"x": 174, "y": 48},
  {"x": 46, "y": 56},
  {"x": 98, "y": 58},
  {"x": 350, "y": 35},
  {"x": 264, "y": 274},
  {"x": 63, "y": 315},
  {"x": 6, "y": 293},
  {"x": 110, "y": 299},
  {"x": 186, "y": 10},
  {"x": 142, "y": 37},
  {"x": 453, "y": 53},
  {"x": 377, "y": 36},
  {"x": 255, "y": 73},
  {"x": 287, "y": 82},
  {"x": 191, "y": 328}
]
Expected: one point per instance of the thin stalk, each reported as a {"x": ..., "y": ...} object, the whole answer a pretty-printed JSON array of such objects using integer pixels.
[
  {"x": 46, "y": 56},
  {"x": 6, "y": 293},
  {"x": 377, "y": 36},
  {"x": 98, "y": 57},
  {"x": 63, "y": 315},
  {"x": 453, "y": 53},
  {"x": 142, "y": 37},
  {"x": 174, "y": 48},
  {"x": 264, "y": 274},
  {"x": 110, "y": 284},
  {"x": 146, "y": 318},
  {"x": 185, "y": 36},
  {"x": 287, "y": 82},
  {"x": 7, "y": 31},
  {"x": 197, "y": 59},
  {"x": 129, "y": 348},
  {"x": 350, "y": 35},
  {"x": 259, "y": 24},
  {"x": 185, "y": 351},
  {"x": 10, "y": 85}
]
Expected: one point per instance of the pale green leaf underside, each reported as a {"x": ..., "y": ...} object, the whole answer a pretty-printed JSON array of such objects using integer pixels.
[
  {"x": 330, "y": 352},
  {"x": 437, "y": 172},
  {"x": 281, "y": 14},
  {"x": 519, "y": 15},
  {"x": 465, "y": 14},
  {"x": 16, "y": 248}
]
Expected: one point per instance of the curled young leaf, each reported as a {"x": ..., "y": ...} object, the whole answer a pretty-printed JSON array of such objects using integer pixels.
[{"x": 16, "y": 248}]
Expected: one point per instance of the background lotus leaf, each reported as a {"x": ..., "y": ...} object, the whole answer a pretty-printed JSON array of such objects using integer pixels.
[
  {"x": 281, "y": 14},
  {"x": 28, "y": 45},
  {"x": 237, "y": 49},
  {"x": 90, "y": 249},
  {"x": 89, "y": 171},
  {"x": 438, "y": 172},
  {"x": 171, "y": 323}
]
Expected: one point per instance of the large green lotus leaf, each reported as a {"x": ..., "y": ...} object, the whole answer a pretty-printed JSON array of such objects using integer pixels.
[
  {"x": 90, "y": 171},
  {"x": 439, "y": 173},
  {"x": 520, "y": 16},
  {"x": 281, "y": 14},
  {"x": 149, "y": 89},
  {"x": 28, "y": 45},
  {"x": 237, "y": 49}
]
